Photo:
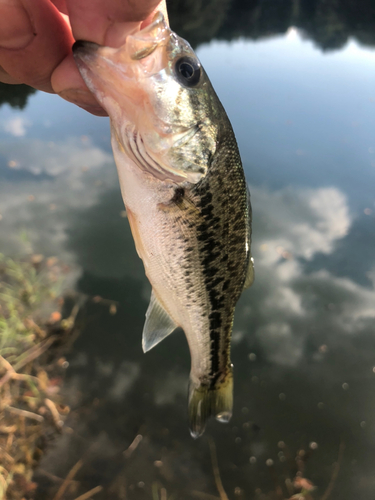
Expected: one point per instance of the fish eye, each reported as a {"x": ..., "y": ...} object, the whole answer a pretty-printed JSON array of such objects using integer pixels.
[{"x": 188, "y": 71}]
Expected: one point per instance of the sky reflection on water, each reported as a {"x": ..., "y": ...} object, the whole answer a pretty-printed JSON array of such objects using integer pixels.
[{"x": 303, "y": 340}]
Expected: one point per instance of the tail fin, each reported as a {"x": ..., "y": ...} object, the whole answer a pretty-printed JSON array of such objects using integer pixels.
[{"x": 206, "y": 401}]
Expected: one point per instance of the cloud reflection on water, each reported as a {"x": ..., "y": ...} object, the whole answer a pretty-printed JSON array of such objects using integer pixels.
[
  {"x": 51, "y": 179},
  {"x": 291, "y": 227},
  {"x": 17, "y": 126}
]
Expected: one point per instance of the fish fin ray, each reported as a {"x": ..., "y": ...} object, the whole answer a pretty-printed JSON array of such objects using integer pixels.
[
  {"x": 158, "y": 324},
  {"x": 206, "y": 401},
  {"x": 249, "y": 280}
]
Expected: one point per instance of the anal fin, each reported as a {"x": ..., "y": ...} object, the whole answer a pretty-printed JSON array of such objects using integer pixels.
[{"x": 158, "y": 324}]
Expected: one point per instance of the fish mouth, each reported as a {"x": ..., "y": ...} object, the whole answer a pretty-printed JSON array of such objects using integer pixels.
[
  {"x": 138, "y": 44},
  {"x": 114, "y": 72}
]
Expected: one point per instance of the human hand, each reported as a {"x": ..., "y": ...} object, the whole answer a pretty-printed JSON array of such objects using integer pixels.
[{"x": 36, "y": 38}]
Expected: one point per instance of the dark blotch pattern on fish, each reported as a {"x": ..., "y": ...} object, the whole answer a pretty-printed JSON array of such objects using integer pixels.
[{"x": 222, "y": 233}]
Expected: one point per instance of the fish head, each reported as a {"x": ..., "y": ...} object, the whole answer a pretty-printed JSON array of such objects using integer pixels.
[{"x": 162, "y": 106}]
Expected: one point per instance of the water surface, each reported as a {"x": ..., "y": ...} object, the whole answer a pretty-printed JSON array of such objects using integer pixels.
[{"x": 304, "y": 334}]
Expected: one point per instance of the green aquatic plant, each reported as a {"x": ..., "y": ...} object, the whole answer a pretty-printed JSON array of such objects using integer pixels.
[{"x": 24, "y": 288}]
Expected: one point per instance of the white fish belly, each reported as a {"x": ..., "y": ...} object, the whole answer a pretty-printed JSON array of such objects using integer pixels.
[{"x": 161, "y": 244}]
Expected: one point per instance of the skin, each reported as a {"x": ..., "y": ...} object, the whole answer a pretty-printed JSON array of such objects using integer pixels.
[{"x": 36, "y": 38}]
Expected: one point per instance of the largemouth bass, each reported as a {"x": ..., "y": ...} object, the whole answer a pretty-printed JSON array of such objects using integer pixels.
[{"x": 186, "y": 198}]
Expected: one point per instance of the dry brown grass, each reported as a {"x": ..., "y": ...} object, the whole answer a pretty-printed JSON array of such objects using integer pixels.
[{"x": 32, "y": 332}]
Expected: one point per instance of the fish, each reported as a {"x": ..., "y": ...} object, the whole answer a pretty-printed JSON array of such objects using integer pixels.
[{"x": 186, "y": 198}]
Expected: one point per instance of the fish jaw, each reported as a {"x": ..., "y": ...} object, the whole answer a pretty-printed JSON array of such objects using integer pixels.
[
  {"x": 142, "y": 55},
  {"x": 137, "y": 123},
  {"x": 99, "y": 65}
]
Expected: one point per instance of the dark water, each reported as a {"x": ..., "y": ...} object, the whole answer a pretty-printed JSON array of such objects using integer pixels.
[{"x": 302, "y": 104}]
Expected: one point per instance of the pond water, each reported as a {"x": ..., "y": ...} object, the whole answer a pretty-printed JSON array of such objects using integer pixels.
[{"x": 302, "y": 104}]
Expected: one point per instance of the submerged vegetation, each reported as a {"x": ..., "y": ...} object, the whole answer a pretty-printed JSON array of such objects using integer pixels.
[{"x": 32, "y": 336}]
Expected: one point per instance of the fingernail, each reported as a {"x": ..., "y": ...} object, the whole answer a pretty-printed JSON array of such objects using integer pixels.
[
  {"x": 84, "y": 99},
  {"x": 16, "y": 30}
]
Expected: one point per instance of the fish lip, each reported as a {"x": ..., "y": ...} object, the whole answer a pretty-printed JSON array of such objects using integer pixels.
[
  {"x": 83, "y": 47},
  {"x": 84, "y": 51}
]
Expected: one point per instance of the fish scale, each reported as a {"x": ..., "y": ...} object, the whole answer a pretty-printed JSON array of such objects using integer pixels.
[{"x": 223, "y": 255}]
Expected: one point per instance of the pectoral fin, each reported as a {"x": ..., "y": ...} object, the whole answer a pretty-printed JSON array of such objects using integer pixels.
[{"x": 158, "y": 324}]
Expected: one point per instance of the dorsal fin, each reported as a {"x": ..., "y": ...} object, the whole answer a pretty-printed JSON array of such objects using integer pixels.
[
  {"x": 249, "y": 274},
  {"x": 158, "y": 324}
]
